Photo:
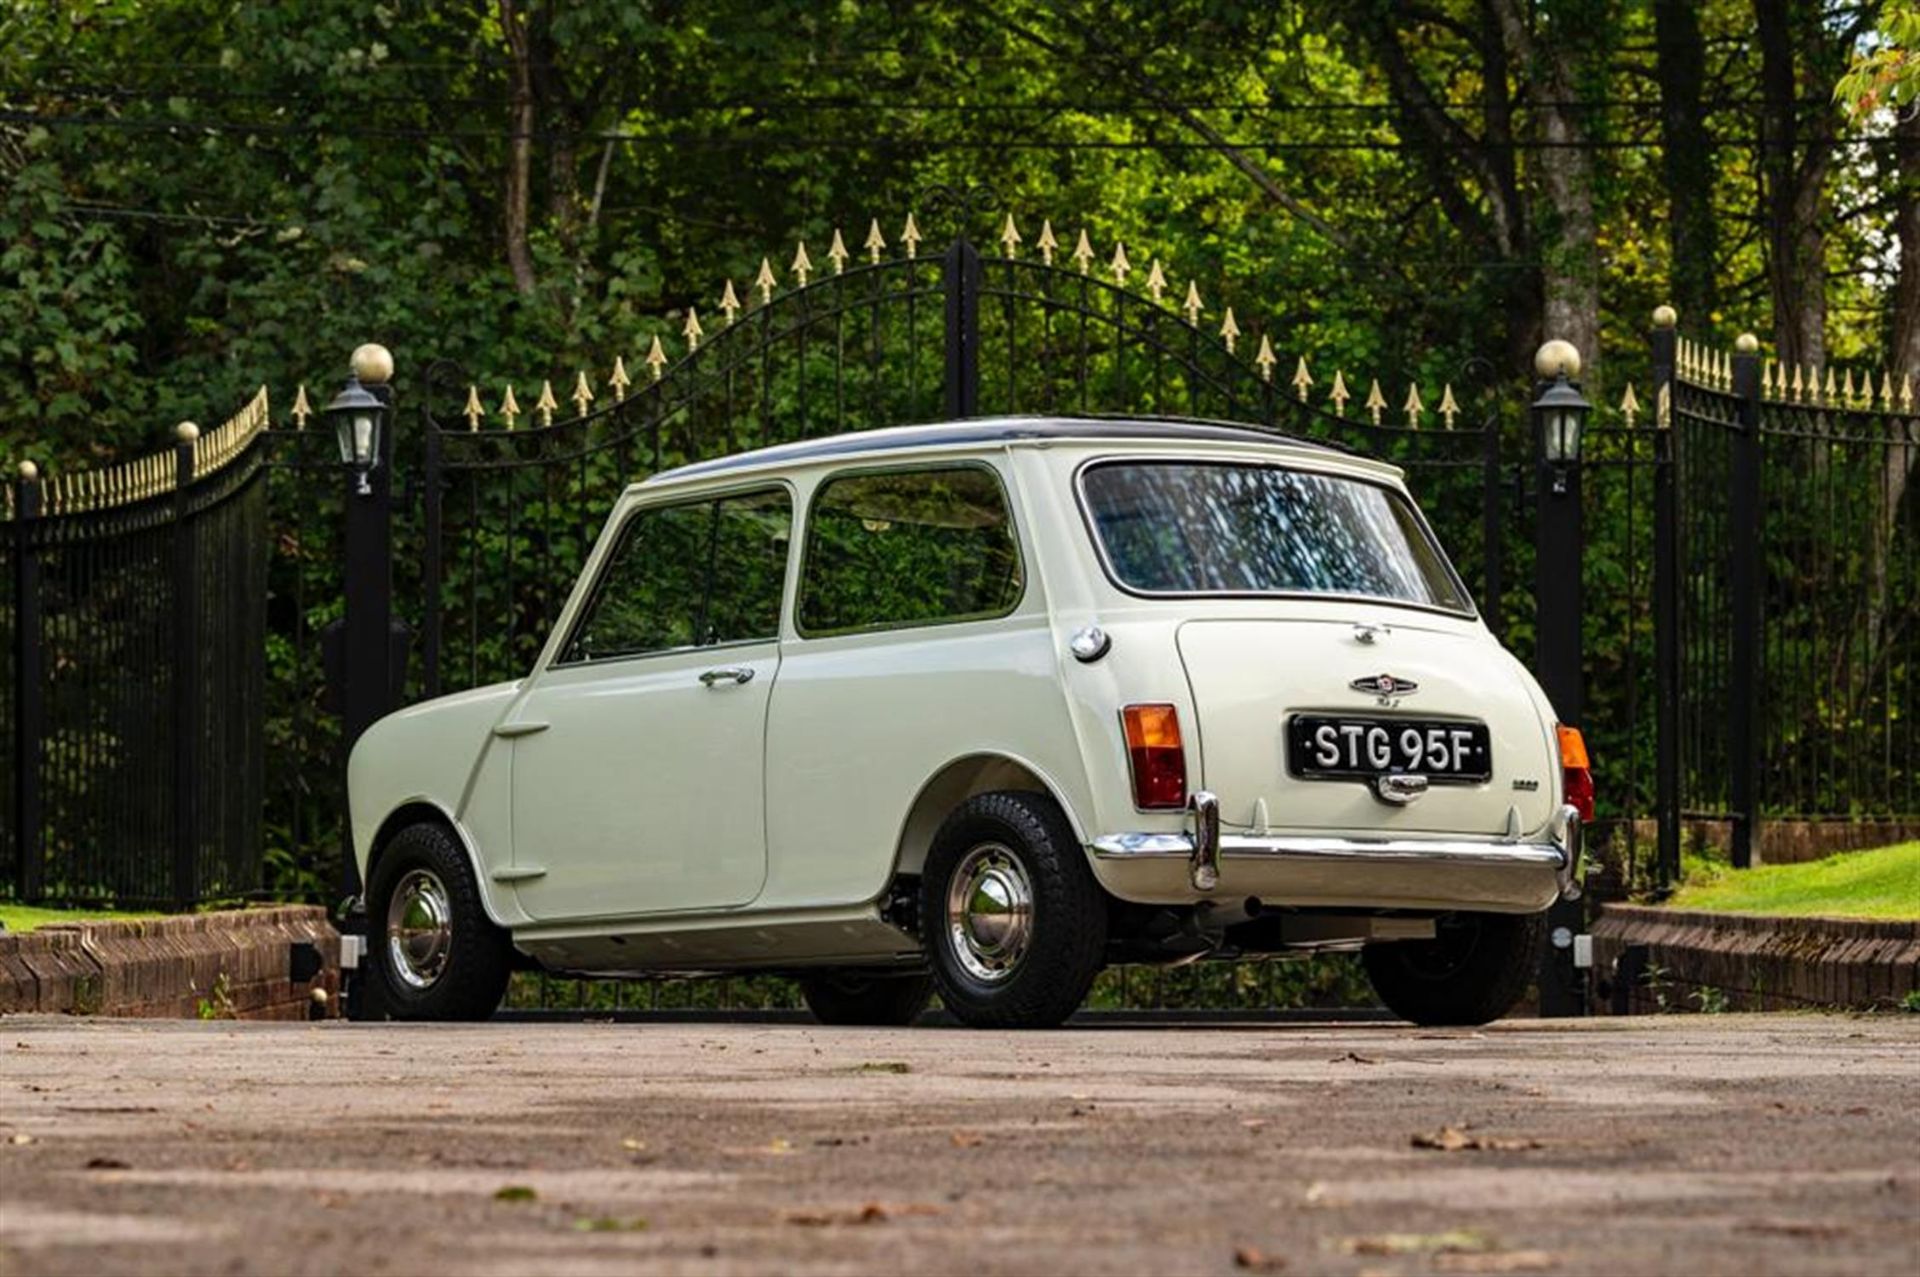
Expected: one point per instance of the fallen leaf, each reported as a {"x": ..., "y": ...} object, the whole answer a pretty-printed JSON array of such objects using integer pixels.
[
  {"x": 966, "y": 1139},
  {"x": 633, "y": 1145},
  {"x": 885, "y": 1066},
  {"x": 515, "y": 1193},
  {"x": 1353, "y": 1057},
  {"x": 1452, "y": 1139},
  {"x": 1793, "y": 1228},
  {"x": 1256, "y": 1260},
  {"x": 606, "y": 1224},
  {"x": 1453, "y": 1242},
  {"x": 20, "y": 1139},
  {"x": 107, "y": 1164},
  {"x": 1499, "y": 1261}
]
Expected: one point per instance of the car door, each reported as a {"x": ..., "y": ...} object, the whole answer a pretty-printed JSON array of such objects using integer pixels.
[{"x": 638, "y": 753}]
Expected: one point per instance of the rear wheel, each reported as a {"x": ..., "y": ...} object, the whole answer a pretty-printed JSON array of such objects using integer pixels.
[
  {"x": 1473, "y": 970},
  {"x": 1014, "y": 923},
  {"x": 864, "y": 998},
  {"x": 433, "y": 952}
]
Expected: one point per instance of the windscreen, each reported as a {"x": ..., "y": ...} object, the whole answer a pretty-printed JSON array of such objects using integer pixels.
[{"x": 1183, "y": 527}]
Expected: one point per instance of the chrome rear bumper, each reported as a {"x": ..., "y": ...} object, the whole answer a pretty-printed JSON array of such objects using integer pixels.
[{"x": 1204, "y": 847}]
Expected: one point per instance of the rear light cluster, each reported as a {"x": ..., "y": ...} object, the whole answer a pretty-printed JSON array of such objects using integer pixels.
[
  {"x": 1576, "y": 776},
  {"x": 1158, "y": 759}
]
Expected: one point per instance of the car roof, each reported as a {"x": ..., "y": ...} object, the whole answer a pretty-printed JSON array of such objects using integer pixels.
[{"x": 1004, "y": 431}]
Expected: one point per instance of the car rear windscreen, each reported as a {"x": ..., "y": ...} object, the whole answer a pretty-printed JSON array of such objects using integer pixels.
[{"x": 1191, "y": 527}]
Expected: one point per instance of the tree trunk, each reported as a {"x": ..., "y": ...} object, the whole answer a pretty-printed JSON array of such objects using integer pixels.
[
  {"x": 1905, "y": 357},
  {"x": 1686, "y": 160},
  {"x": 519, "y": 184},
  {"x": 1796, "y": 146}
]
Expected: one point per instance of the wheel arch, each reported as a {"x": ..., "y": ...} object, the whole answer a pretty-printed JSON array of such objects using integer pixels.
[
  {"x": 981, "y": 772},
  {"x": 422, "y": 810}
]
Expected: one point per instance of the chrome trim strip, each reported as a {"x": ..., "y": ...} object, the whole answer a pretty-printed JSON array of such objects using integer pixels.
[{"x": 1242, "y": 847}]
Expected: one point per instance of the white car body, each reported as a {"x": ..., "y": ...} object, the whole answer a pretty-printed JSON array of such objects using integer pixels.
[{"x": 626, "y": 816}]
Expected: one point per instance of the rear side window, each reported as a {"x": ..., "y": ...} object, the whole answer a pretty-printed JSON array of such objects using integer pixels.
[
  {"x": 908, "y": 547},
  {"x": 689, "y": 576}
]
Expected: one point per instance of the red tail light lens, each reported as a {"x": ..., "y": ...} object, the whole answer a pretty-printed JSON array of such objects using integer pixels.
[
  {"x": 1155, "y": 753},
  {"x": 1576, "y": 776}
]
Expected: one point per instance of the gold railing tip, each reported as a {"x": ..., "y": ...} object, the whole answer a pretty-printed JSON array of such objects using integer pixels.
[
  {"x": 1229, "y": 330},
  {"x": 729, "y": 301},
  {"x": 473, "y": 412},
  {"x": 1156, "y": 279},
  {"x": 1846, "y": 387},
  {"x": 1010, "y": 236},
  {"x": 1906, "y": 392},
  {"x": 837, "y": 252},
  {"x": 910, "y": 236},
  {"x": 656, "y": 357},
  {"x": 1046, "y": 243},
  {"x": 1120, "y": 266},
  {"x": 509, "y": 407},
  {"x": 1339, "y": 394},
  {"x": 1266, "y": 359},
  {"x": 1413, "y": 407},
  {"x": 1083, "y": 252},
  {"x": 1302, "y": 379},
  {"x": 301, "y": 408},
  {"x": 1376, "y": 402},
  {"x": 691, "y": 330},
  {"x": 1629, "y": 404},
  {"x": 1449, "y": 408},
  {"x": 546, "y": 404},
  {"x": 1192, "y": 305},
  {"x": 876, "y": 242},
  {"x": 802, "y": 264},
  {"x": 619, "y": 379},
  {"x": 764, "y": 281},
  {"x": 1832, "y": 389},
  {"x": 582, "y": 395}
]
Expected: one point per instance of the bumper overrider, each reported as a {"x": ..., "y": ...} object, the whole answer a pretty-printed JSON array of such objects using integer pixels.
[{"x": 1506, "y": 873}]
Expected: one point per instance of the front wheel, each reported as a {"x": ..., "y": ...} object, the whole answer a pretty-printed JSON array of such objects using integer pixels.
[
  {"x": 863, "y": 998},
  {"x": 1473, "y": 970},
  {"x": 433, "y": 952},
  {"x": 1014, "y": 923}
]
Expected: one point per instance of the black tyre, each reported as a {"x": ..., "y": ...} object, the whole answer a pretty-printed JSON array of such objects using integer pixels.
[
  {"x": 1473, "y": 970},
  {"x": 866, "y": 997},
  {"x": 1014, "y": 923},
  {"x": 433, "y": 954}
]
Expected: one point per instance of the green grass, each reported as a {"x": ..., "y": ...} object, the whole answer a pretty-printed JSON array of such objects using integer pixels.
[
  {"x": 27, "y": 917},
  {"x": 1855, "y": 884}
]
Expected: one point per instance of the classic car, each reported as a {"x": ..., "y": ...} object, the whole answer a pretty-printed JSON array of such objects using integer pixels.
[{"x": 977, "y": 709}]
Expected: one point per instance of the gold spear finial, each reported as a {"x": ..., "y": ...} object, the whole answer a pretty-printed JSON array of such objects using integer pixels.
[
  {"x": 656, "y": 357},
  {"x": 619, "y": 380},
  {"x": 1010, "y": 237},
  {"x": 802, "y": 264},
  {"x": 1339, "y": 394},
  {"x": 1813, "y": 383},
  {"x": 1376, "y": 402},
  {"x": 1663, "y": 406},
  {"x": 1449, "y": 409},
  {"x": 1046, "y": 243},
  {"x": 1847, "y": 395},
  {"x": 876, "y": 242},
  {"x": 1414, "y": 407},
  {"x": 1265, "y": 360},
  {"x": 1629, "y": 406},
  {"x": 301, "y": 408},
  {"x": 910, "y": 236},
  {"x": 546, "y": 403},
  {"x": 1120, "y": 266},
  {"x": 1156, "y": 279},
  {"x": 510, "y": 407},
  {"x": 837, "y": 252},
  {"x": 473, "y": 411},
  {"x": 1192, "y": 305},
  {"x": 1083, "y": 252},
  {"x": 582, "y": 395},
  {"x": 1302, "y": 379},
  {"x": 729, "y": 301},
  {"x": 1906, "y": 392},
  {"x": 1229, "y": 331},
  {"x": 692, "y": 330},
  {"x": 1799, "y": 386},
  {"x": 1886, "y": 391},
  {"x": 1832, "y": 389},
  {"x": 764, "y": 281}
]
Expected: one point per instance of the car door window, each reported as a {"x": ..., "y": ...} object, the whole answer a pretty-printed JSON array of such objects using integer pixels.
[
  {"x": 908, "y": 547},
  {"x": 689, "y": 576}
]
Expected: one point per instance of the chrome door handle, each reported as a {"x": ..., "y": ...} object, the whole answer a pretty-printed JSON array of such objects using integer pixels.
[{"x": 736, "y": 673}]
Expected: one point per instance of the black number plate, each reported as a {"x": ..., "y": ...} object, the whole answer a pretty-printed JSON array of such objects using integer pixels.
[{"x": 1329, "y": 747}]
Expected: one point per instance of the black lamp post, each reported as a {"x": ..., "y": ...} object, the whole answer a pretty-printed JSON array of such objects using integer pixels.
[
  {"x": 1559, "y": 418},
  {"x": 359, "y": 417}
]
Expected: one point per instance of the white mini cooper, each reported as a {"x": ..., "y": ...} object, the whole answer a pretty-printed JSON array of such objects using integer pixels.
[{"x": 976, "y": 709}]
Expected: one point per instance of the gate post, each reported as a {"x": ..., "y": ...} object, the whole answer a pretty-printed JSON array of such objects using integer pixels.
[
  {"x": 1743, "y": 673},
  {"x": 1666, "y": 604},
  {"x": 367, "y": 642},
  {"x": 187, "y": 690},
  {"x": 1558, "y": 416},
  {"x": 29, "y": 699},
  {"x": 961, "y": 279}
]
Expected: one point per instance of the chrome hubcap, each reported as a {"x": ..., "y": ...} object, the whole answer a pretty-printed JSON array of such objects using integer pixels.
[
  {"x": 989, "y": 913},
  {"x": 419, "y": 929}
]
